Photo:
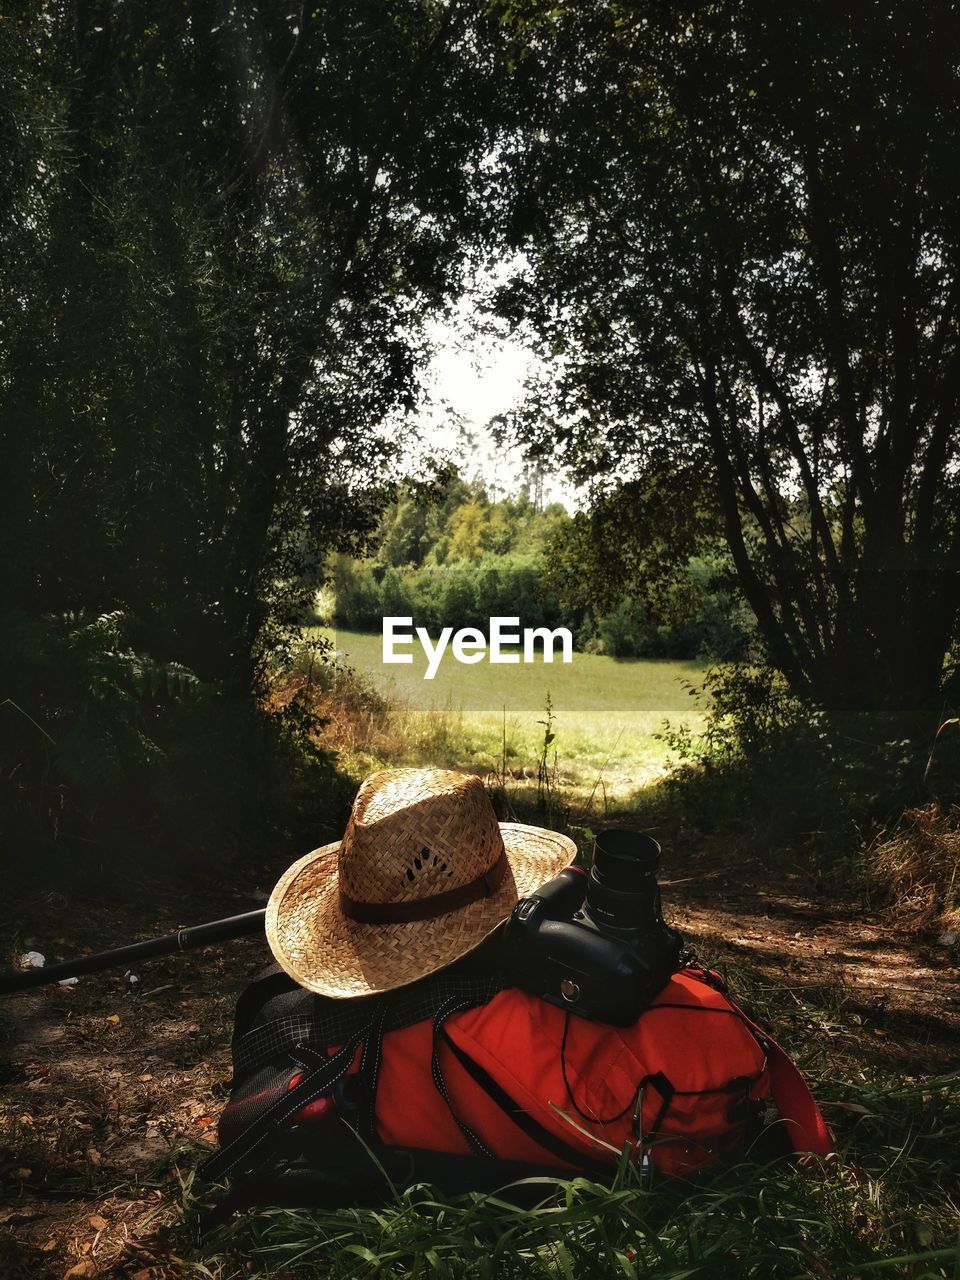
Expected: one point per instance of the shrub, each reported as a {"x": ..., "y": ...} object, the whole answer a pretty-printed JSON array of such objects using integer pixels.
[
  {"x": 110, "y": 757},
  {"x": 454, "y": 595},
  {"x": 626, "y": 633},
  {"x": 781, "y": 771}
]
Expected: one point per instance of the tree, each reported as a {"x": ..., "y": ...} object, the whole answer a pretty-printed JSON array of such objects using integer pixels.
[
  {"x": 467, "y": 529},
  {"x": 405, "y": 538},
  {"x": 741, "y": 229},
  {"x": 222, "y": 227},
  {"x": 230, "y": 221}
]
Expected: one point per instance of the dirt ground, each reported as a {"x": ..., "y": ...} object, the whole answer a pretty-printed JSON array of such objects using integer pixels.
[{"x": 110, "y": 1090}]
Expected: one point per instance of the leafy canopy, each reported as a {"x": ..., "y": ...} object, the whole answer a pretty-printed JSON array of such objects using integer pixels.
[{"x": 741, "y": 235}]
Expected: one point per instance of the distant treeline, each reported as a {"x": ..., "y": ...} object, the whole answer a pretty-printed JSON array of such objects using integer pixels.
[{"x": 455, "y": 558}]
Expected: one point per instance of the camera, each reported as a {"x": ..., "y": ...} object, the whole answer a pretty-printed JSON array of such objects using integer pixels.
[{"x": 595, "y": 942}]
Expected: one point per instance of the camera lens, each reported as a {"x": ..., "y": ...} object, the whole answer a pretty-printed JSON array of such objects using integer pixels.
[
  {"x": 625, "y": 860},
  {"x": 622, "y": 891}
]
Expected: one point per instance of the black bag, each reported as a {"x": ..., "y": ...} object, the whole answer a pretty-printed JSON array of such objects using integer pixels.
[{"x": 283, "y": 1061}]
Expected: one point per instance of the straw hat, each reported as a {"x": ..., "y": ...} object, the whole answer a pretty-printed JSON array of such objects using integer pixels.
[{"x": 423, "y": 874}]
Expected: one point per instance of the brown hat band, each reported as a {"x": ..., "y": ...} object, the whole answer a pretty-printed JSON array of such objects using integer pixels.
[{"x": 426, "y": 908}]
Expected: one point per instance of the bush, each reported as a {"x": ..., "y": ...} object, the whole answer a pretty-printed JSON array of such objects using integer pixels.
[
  {"x": 780, "y": 771},
  {"x": 626, "y": 633},
  {"x": 453, "y": 595},
  {"x": 697, "y": 618},
  {"x": 395, "y": 597},
  {"x": 110, "y": 758}
]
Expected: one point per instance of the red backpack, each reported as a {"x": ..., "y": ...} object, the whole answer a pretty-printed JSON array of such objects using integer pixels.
[{"x": 462, "y": 1081}]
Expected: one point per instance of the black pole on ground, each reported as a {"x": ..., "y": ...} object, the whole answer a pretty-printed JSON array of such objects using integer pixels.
[{"x": 198, "y": 935}]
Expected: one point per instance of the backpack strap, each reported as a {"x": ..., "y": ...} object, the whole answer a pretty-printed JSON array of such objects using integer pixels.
[
  {"x": 803, "y": 1120},
  {"x": 320, "y": 1075},
  {"x": 369, "y": 1076},
  {"x": 524, "y": 1121},
  {"x": 450, "y": 1007}
]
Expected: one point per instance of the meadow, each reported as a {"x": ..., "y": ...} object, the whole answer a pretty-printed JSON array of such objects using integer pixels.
[{"x": 607, "y": 716}]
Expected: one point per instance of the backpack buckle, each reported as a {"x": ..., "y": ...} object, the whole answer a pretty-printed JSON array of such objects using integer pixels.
[{"x": 350, "y": 1095}]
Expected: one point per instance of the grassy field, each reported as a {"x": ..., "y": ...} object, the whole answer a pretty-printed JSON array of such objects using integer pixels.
[{"x": 606, "y": 714}]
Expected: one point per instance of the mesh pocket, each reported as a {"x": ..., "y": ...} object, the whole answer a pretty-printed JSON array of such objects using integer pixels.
[{"x": 251, "y": 1099}]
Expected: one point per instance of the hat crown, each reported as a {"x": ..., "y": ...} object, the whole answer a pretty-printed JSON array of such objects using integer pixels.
[{"x": 416, "y": 833}]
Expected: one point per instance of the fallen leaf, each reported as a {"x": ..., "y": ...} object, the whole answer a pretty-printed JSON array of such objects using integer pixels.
[
  {"x": 48, "y": 1247},
  {"x": 23, "y": 1211},
  {"x": 145, "y": 1077},
  {"x": 82, "y": 1269},
  {"x": 22, "y": 1173},
  {"x": 94, "y": 1156},
  {"x": 205, "y": 1121},
  {"x": 143, "y": 1274},
  {"x": 114, "y": 1018},
  {"x": 98, "y": 1223}
]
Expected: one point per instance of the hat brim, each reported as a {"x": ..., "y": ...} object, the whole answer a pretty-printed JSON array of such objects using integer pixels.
[{"x": 327, "y": 952}]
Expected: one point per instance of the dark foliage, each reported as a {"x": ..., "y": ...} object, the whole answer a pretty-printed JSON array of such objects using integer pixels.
[
  {"x": 781, "y": 773},
  {"x": 742, "y": 257},
  {"x": 221, "y": 227}
]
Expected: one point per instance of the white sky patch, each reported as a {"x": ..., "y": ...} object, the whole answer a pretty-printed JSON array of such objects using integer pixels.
[
  {"x": 480, "y": 380},
  {"x": 472, "y": 379}
]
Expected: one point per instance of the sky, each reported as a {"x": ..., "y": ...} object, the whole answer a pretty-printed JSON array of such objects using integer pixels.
[{"x": 479, "y": 378}]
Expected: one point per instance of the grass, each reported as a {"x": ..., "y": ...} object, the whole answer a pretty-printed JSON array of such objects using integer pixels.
[
  {"x": 917, "y": 866},
  {"x": 606, "y": 716},
  {"x": 779, "y": 1221}
]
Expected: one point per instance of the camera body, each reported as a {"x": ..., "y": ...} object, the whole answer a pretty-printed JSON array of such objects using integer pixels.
[{"x": 595, "y": 942}]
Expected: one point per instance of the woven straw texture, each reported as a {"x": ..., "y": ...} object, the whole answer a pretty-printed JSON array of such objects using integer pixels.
[{"x": 412, "y": 834}]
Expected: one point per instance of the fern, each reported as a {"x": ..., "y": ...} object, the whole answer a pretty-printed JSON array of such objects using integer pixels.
[{"x": 94, "y": 699}]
